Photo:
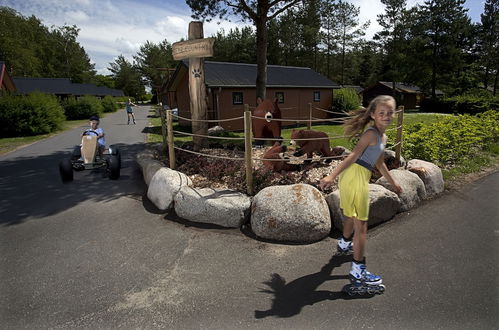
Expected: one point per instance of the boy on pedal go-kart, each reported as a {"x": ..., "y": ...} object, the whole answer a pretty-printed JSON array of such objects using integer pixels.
[
  {"x": 97, "y": 131},
  {"x": 89, "y": 155}
]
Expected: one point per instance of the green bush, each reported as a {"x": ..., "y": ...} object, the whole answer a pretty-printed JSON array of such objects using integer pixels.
[
  {"x": 462, "y": 104},
  {"x": 437, "y": 105},
  {"x": 450, "y": 139},
  {"x": 345, "y": 100},
  {"x": 82, "y": 108},
  {"x": 109, "y": 104},
  {"x": 34, "y": 114},
  {"x": 473, "y": 104}
]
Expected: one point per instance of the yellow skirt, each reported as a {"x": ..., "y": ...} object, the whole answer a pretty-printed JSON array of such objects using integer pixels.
[{"x": 354, "y": 191}]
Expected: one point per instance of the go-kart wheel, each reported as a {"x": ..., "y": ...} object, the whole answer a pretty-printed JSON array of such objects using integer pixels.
[
  {"x": 114, "y": 150},
  {"x": 76, "y": 153},
  {"x": 66, "y": 170},
  {"x": 113, "y": 167}
]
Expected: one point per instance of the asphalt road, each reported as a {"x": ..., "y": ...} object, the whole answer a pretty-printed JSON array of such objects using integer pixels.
[{"x": 96, "y": 254}]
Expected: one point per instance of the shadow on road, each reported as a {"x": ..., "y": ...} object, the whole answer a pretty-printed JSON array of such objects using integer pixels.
[
  {"x": 30, "y": 187},
  {"x": 290, "y": 298}
]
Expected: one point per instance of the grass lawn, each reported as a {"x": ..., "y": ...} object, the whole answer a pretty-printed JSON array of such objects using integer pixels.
[{"x": 11, "y": 144}]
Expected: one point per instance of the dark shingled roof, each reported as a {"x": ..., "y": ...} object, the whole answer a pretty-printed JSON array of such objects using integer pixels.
[
  {"x": 406, "y": 88},
  {"x": 61, "y": 86},
  {"x": 27, "y": 85},
  {"x": 225, "y": 74}
]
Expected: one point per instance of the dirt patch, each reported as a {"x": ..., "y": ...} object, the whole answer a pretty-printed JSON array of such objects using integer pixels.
[{"x": 221, "y": 172}]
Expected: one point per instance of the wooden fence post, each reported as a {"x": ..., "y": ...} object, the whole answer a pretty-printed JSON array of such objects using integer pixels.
[
  {"x": 398, "y": 141},
  {"x": 309, "y": 124},
  {"x": 162, "y": 115},
  {"x": 248, "y": 150},
  {"x": 171, "y": 147}
]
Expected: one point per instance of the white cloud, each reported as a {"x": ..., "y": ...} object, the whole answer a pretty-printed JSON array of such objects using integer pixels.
[
  {"x": 109, "y": 28},
  {"x": 76, "y": 16}
]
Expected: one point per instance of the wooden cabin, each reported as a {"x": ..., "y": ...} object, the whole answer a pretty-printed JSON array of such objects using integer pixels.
[
  {"x": 231, "y": 85},
  {"x": 410, "y": 96}
]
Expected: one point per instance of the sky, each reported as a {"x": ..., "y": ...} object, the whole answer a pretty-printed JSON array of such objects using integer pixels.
[{"x": 109, "y": 28}]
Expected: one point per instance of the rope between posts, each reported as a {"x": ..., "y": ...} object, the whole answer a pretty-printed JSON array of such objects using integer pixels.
[
  {"x": 209, "y": 120},
  {"x": 393, "y": 128},
  {"x": 208, "y": 155},
  {"x": 280, "y": 159},
  {"x": 334, "y": 112},
  {"x": 391, "y": 147},
  {"x": 259, "y": 139},
  {"x": 209, "y": 136},
  {"x": 339, "y": 120},
  {"x": 290, "y": 119}
]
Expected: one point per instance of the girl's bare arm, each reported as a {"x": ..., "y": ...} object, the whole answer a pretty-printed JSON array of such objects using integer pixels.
[{"x": 380, "y": 164}]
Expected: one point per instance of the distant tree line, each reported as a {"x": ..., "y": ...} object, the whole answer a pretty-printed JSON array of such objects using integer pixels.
[{"x": 433, "y": 45}]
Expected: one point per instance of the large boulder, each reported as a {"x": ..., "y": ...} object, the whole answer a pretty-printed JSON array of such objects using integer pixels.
[
  {"x": 383, "y": 205},
  {"x": 295, "y": 213},
  {"x": 391, "y": 161},
  {"x": 430, "y": 174},
  {"x": 413, "y": 189},
  {"x": 149, "y": 168},
  {"x": 164, "y": 185},
  {"x": 215, "y": 130},
  {"x": 145, "y": 155},
  {"x": 222, "y": 207}
]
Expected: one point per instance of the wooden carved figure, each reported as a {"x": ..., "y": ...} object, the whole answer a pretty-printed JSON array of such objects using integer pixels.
[
  {"x": 266, "y": 128},
  {"x": 275, "y": 152},
  {"x": 310, "y": 146}
]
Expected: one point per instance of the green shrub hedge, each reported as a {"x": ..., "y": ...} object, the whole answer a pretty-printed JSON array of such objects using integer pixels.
[
  {"x": 34, "y": 114},
  {"x": 345, "y": 99},
  {"x": 83, "y": 107},
  {"x": 109, "y": 104},
  {"x": 463, "y": 104},
  {"x": 451, "y": 138}
]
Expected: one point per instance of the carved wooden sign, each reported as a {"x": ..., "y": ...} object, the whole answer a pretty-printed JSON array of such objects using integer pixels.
[{"x": 193, "y": 48}]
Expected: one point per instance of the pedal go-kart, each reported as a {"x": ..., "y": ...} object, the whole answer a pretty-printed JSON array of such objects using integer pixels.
[{"x": 86, "y": 157}]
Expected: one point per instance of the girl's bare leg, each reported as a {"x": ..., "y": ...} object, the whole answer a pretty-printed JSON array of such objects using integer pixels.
[
  {"x": 348, "y": 227},
  {"x": 359, "y": 239}
]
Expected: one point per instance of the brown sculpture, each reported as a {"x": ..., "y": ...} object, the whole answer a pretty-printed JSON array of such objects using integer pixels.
[
  {"x": 266, "y": 128},
  {"x": 310, "y": 146},
  {"x": 275, "y": 153}
]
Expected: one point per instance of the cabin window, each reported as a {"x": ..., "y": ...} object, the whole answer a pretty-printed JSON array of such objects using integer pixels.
[
  {"x": 279, "y": 96},
  {"x": 237, "y": 97},
  {"x": 317, "y": 96}
]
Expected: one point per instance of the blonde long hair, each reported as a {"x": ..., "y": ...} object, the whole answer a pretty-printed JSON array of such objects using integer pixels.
[{"x": 355, "y": 126}]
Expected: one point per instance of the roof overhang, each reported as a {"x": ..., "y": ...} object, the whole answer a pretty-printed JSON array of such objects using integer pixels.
[
  {"x": 273, "y": 86},
  {"x": 6, "y": 79}
]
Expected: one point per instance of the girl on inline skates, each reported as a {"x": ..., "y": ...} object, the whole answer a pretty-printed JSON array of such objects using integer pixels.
[{"x": 354, "y": 174}]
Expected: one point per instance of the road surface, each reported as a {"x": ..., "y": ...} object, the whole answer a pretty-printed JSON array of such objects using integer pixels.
[{"x": 96, "y": 254}]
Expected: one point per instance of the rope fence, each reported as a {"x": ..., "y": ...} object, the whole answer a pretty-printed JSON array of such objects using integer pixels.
[{"x": 169, "y": 133}]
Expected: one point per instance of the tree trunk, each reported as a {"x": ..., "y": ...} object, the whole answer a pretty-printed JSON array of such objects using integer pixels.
[
  {"x": 495, "y": 83},
  {"x": 261, "y": 54},
  {"x": 343, "y": 45},
  {"x": 486, "y": 77},
  {"x": 433, "y": 73}
]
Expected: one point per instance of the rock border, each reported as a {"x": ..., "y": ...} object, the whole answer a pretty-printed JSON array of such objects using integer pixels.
[{"x": 297, "y": 213}]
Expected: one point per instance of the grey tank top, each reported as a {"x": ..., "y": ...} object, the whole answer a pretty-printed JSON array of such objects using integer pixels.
[{"x": 371, "y": 153}]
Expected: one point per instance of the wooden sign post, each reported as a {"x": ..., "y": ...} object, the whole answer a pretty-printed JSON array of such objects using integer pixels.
[{"x": 195, "y": 49}]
